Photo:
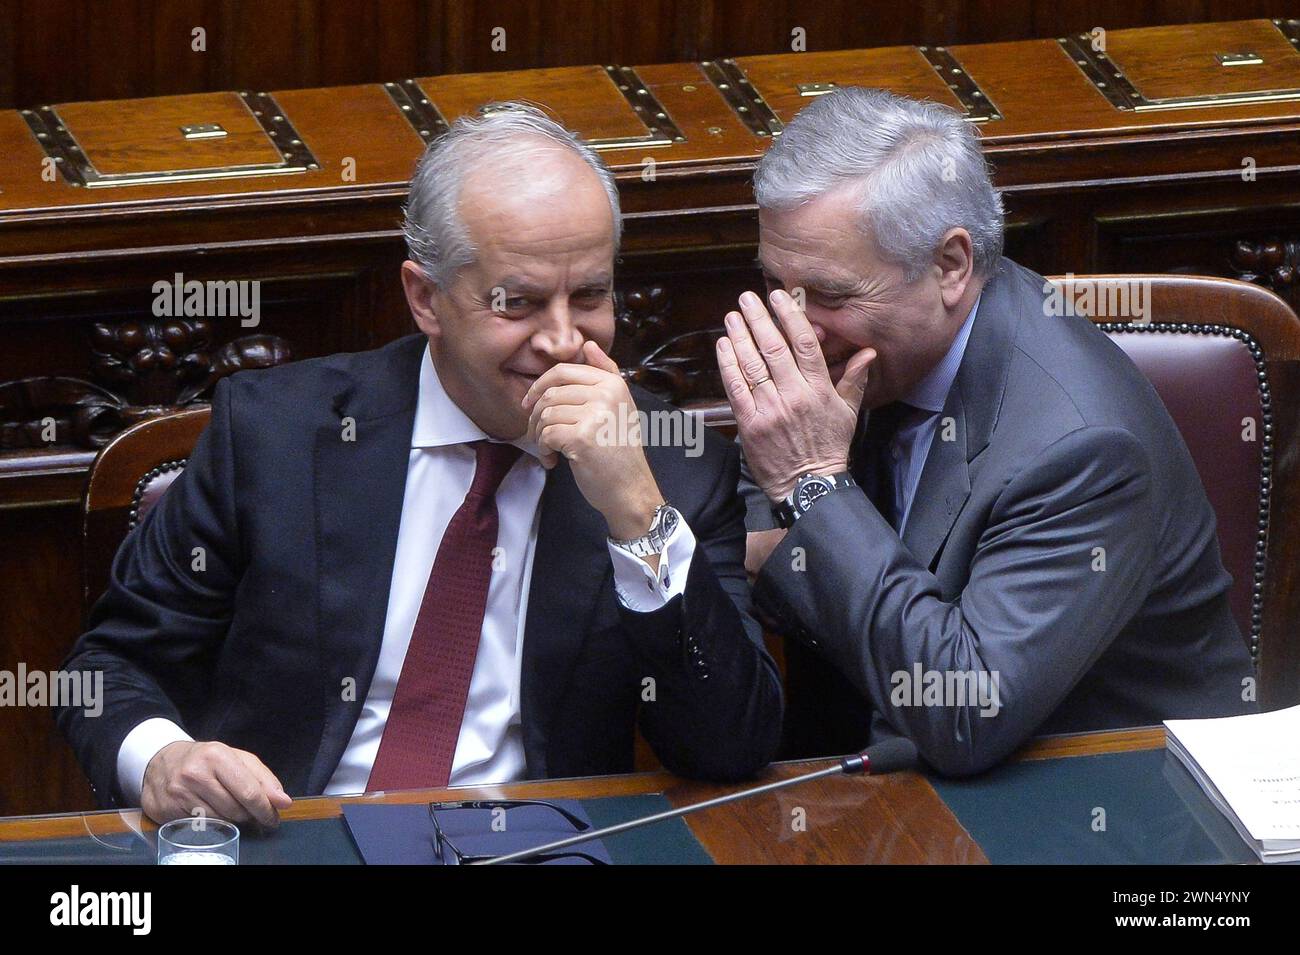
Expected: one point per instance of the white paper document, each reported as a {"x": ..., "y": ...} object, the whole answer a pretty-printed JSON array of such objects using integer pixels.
[{"x": 1249, "y": 766}]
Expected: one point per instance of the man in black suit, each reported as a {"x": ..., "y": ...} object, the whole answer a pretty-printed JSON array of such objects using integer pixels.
[
  {"x": 450, "y": 560},
  {"x": 1012, "y": 538}
]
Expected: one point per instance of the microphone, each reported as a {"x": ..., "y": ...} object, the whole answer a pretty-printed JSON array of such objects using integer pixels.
[{"x": 888, "y": 756}]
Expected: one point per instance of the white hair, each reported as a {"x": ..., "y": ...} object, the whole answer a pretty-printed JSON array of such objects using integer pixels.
[
  {"x": 918, "y": 163},
  {"x": 435, "y": 233}
]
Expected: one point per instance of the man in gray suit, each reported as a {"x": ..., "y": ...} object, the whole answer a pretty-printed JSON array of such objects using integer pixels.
[{"x": 1010, "y": 538}]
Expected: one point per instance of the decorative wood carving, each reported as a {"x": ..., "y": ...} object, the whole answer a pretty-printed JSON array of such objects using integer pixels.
[
  {"x": 142, "y": 368},
  {"x": 677, "y": 367},
  {"x": 1272, "y": 263},
  {"x": 151, "y": 362}
]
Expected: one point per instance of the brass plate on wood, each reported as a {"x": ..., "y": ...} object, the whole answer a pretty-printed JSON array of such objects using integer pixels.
[
  {"x": 765, "y": 92},
  {"x": 608, "y": 107},
  {"x": 94, "y": 146},
  {"x": 815, "y": 89},
  {"x": 745, "y": 101},
  {"x": 979, "y": 108},
  {"x": 1235, "y": 64},
  {"x": 417, "y": 108},
  {"x": 662, "y": 130}
]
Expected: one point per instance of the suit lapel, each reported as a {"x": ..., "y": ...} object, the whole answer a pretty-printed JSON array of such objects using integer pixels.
[
  {"x": 944, "y": 484},
  {"x": 570, "y": 566},
  {"x": 360, "y": 485},
  {"x": 969, "y": 416}
]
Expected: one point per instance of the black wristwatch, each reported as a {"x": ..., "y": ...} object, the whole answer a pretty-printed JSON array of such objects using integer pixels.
[{"x": 808, "y": 490}]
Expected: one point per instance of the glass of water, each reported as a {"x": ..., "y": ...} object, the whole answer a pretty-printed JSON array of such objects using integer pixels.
[{"x": 198, "y": 841}]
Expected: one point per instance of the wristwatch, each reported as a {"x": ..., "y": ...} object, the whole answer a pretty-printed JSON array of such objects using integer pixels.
[
  {"x": 652, "y": 542},
  {"x": 808, "y": 490}
]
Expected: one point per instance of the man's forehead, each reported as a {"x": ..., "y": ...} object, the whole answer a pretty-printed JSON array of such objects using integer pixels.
[
  {"x": 540, "y": 275},
  {"x": 801, "y": 269}
]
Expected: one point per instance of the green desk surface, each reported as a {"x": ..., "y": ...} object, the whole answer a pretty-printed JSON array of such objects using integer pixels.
[
  {"x": 1133, "y": 807},
  {"x": 327, "y": 842}
]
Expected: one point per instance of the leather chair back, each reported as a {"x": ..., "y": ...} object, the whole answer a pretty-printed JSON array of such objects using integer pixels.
[
  {"x": 127, "y": 478},
  {"x": 1206, "y": 344}
]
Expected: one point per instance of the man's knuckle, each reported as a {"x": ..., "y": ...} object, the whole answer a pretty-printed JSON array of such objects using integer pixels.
[{"x": 189, "y": 776}]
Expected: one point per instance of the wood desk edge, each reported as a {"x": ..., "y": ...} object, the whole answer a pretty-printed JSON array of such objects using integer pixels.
[{"x": 679, "y": 791}]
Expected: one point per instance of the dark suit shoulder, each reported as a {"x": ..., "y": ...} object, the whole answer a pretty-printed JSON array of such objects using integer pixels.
[
  {"x": 1065, "y": 374},
  {"x": 1082, "y": 361},
  {"x": 385, "y": 374}
]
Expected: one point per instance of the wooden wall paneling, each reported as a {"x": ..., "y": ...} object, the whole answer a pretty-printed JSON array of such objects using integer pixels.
[
  {"x": 1248, "y": 231},
  {"x": 69, "y": 50},
  {"x": 40, "y": 568}
]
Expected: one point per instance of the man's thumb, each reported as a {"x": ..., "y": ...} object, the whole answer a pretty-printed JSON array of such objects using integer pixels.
[
  {"x": 853, "y": 383},
  {"x": 597, "y": 358}
]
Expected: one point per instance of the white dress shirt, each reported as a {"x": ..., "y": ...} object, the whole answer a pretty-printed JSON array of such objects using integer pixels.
[
  {"x": 439, "y": 473},
  {"x": 911, "y": 444}
]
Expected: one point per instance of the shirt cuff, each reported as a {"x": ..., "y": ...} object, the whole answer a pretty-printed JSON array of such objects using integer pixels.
[
  {"x": 140, "y": 746},
  {"x": 638, "y": 587}
]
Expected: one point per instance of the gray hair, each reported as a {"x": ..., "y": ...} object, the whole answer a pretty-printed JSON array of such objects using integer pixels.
[
  {"x": 919, "y": 163},
  {"x": 435, "y": 234}
]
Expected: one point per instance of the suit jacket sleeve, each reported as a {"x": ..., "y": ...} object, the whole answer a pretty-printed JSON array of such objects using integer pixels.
[
  {"x": 716, "y": 712},
  {"x": 156, "y": 630},
  {"x": 758, "y": 510},
  {"x": 1063, "y": 564}
]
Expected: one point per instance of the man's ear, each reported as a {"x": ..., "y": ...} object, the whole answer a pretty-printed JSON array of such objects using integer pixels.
[
  {"x": 420, "y": 292},
  {"x": 956, "y": 262}
]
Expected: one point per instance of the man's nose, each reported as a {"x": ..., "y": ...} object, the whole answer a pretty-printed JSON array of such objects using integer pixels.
[{"x": 557, "y": 336}]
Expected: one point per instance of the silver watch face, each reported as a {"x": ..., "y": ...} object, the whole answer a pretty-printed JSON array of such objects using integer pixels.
[
  {"x": 809, "y": 490},
  {"x": 667, "y": 521}
]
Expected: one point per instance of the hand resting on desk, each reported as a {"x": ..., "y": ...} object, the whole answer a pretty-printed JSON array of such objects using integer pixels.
[{"x": 187, "y": 778}]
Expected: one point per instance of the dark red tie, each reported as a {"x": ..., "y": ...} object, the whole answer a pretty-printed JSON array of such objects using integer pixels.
[{"x": 423, "y": 725}]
